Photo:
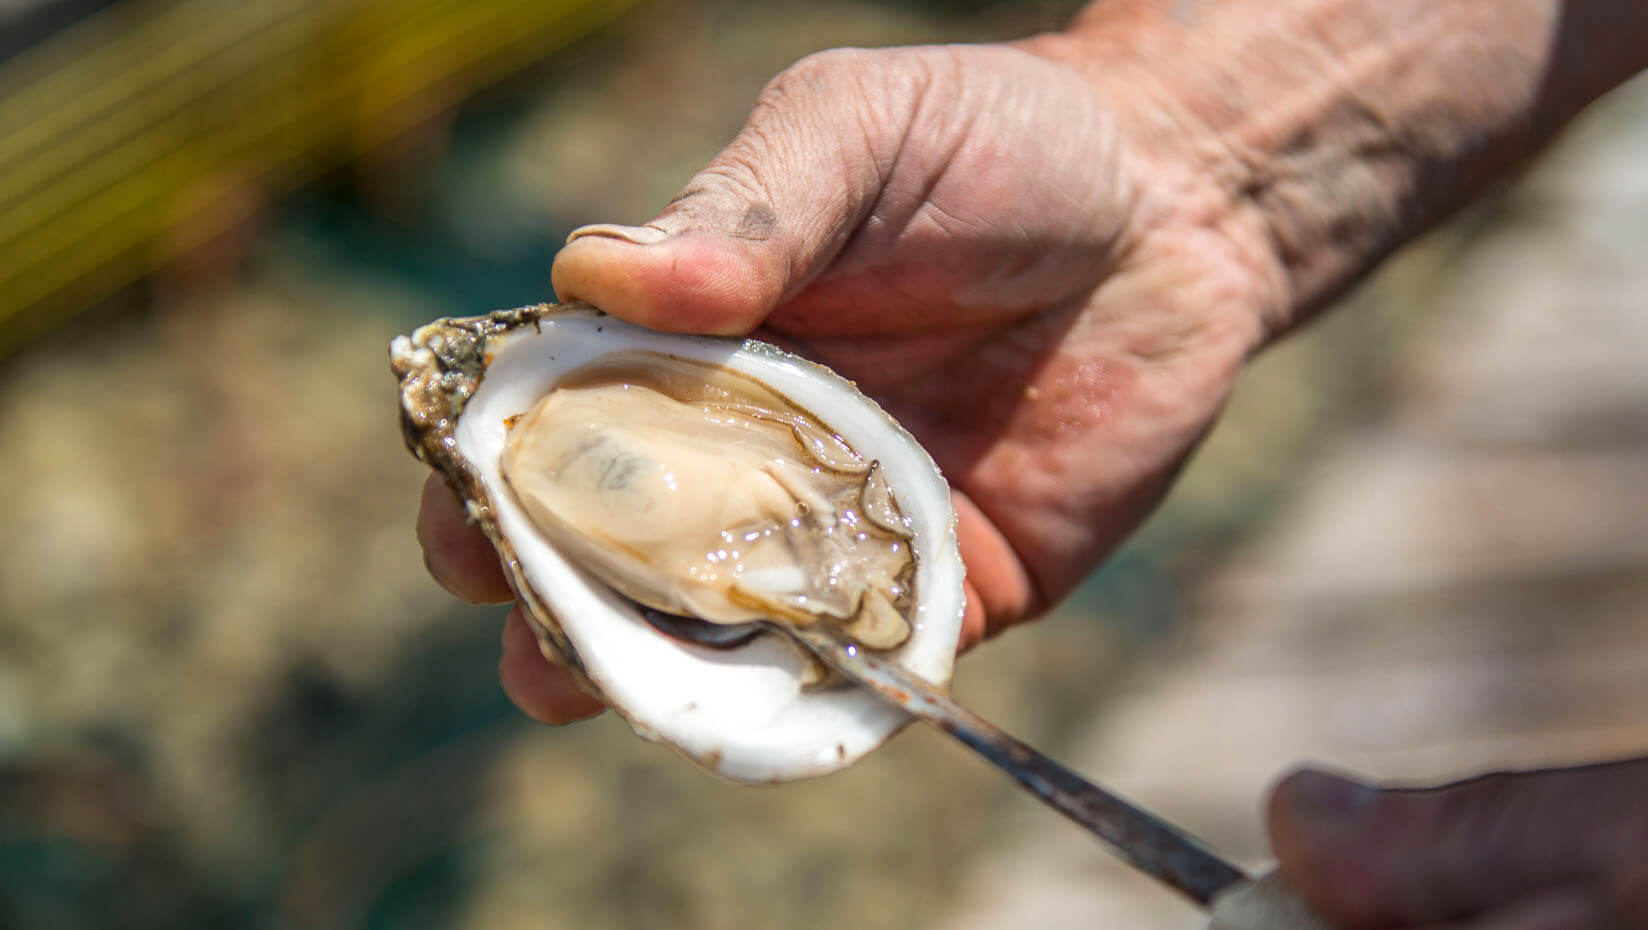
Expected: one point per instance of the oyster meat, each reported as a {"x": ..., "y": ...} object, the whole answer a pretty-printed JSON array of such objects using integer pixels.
[{"x": 618, "y": 469}]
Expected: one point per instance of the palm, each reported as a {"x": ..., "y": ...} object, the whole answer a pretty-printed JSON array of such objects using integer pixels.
[
  {"x": 1054, "y": 312},
  {"x": 997, "y": 299}
]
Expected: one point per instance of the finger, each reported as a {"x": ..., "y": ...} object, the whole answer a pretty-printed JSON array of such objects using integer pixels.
[
  {"x": 974, "y": 625},
  {"x": 766, "y": 215},
  {"x": 544, "y": 691},
  {"x": 1559, "y": 910},
  {"x": 458, "y": 556},
  {"x": 1368, "y": 858},
  {"x": 1625, "y": 898},
  {"x": 996, "y": 580}
]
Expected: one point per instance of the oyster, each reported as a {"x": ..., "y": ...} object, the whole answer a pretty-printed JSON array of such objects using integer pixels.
[{"x": 617, "y": 469}]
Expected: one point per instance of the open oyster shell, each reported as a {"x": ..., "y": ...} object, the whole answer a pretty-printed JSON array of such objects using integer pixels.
[{"x": 744, "y": 713}]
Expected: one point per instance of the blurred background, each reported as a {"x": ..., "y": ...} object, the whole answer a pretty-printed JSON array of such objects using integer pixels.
[{"x": 229, "y": 696}]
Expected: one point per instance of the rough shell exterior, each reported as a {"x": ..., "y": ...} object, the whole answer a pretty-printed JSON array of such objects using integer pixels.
[
  {"x": 439, "y": 367},
  {"x": 739, "y": 714}
]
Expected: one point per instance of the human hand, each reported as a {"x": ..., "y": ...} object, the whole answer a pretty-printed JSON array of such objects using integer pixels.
[
  {"x": 969, "y": 234},
  {"x": 1049, "y": 259},
  {"x": 961, "y": 231},
  {"x": 1563, "y": 849}
]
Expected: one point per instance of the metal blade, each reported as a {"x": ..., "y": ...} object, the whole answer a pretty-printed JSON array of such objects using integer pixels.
[{"x": 1150, "y": 844}]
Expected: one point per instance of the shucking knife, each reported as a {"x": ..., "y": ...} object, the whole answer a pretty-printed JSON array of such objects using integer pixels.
[{"x": 1155, "y": 847}]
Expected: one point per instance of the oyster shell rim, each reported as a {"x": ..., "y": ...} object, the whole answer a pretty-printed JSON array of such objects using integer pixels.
[{"x": 441, "y": 366}]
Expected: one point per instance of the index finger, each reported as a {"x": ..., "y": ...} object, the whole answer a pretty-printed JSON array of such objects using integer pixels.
[{"x": 457, "y": 554}]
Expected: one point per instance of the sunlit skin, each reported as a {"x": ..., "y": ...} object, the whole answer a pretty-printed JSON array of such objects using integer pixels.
[
  {"x": 1050, "y": 260},
  {"x": 1056, "y": 355}
]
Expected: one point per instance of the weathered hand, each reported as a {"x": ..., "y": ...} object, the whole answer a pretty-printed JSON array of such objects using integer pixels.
[
  {"x": 1564, "y": 849},
  {"x": 977, "y": 235},
  {"x": 1049, "y": 261}
]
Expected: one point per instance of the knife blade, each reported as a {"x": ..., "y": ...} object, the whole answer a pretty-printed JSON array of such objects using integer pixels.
[
  {"x": 1145, "y": 841},
  {"x": 1150, "y": 844}
]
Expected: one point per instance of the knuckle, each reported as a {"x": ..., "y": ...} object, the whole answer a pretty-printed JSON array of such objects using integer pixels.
[
  {"x": 856, "y": 102},
  {"x": 722, "y": 192},
  {"x": 815, "y": 75},
  {"x": 737, "y": 173},
  {"x": 1479, "y": 809},
  {"x": 1486, "y": 826},
  {"x": 862, "y": 73}
]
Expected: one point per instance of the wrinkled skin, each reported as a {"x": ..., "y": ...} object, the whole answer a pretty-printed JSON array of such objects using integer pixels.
[
  {"x": 1053, "y": 284},
  {"x": 963, "y": 232}
]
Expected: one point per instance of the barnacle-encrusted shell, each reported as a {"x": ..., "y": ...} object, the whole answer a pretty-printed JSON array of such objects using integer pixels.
[{"x": 743, "y": 713}]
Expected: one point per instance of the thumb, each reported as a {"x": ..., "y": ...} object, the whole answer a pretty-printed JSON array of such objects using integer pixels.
[
  {"x": 769, "y": 213},
  {"x": 1370, "y": 858}
]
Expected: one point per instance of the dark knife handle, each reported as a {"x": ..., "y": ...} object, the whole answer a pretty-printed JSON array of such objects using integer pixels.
[{"x": 1150, "y": 844}]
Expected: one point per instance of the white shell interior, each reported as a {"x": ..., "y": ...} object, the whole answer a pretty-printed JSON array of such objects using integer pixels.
[{"x": 742, "y": 712}]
